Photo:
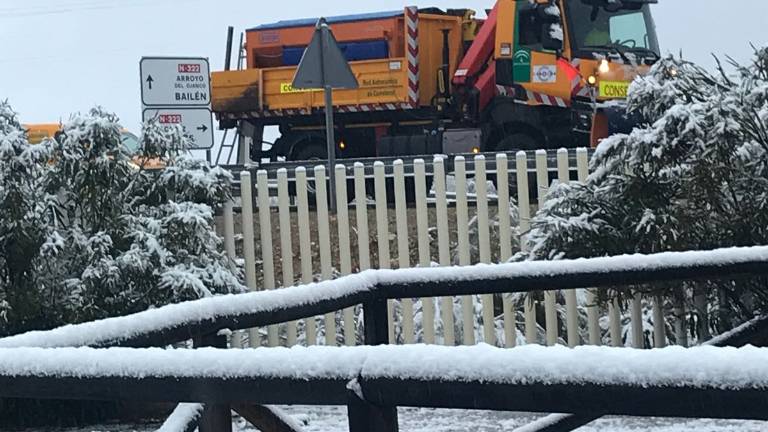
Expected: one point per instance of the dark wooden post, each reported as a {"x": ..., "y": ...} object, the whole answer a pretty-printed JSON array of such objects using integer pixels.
[
  {"x": 375, "y": 322},
  {"x": 216, "y": 417},
  {"x": 363, "y": 416}
]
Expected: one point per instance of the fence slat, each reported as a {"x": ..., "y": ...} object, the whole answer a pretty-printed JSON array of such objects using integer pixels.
[
  {"x": 249, "y": 252},
  {"x": 550, "y": 307},
  {"x": 305, "y": 245},
  {"x": 361, "y": 213},
  {"x": 403, "y": 249},
  {"x": 484, "y": 244},
  {"x": 382, "y": 233},
  {"x": 324, "y": 237},
  {"x": 571, "y": 305},
  {"x": 659, "y": 331},
  {"x": 443, "y": 247},
  {"x": 422, "y": 233},
  {"x": 636, "y": 315},
  {"x": 505, "y": 243},
  {"x": 345, "y": 248},
  {"x": 593, "y": 312},
  {"x": 681, "y": 332},
  {"x": 286, "y": 244},
  {"x": 462, "y": 222},
  {"x": 614, "y": 321},
  {"x": 229, "y": 229},
  {"x": 524, "y": 205},
  {"x": 228, "y": 215},
  {"x": 267, "y": 255}
]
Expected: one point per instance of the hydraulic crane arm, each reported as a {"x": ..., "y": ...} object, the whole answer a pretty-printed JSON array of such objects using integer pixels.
[{"x": 479, "y": 52}]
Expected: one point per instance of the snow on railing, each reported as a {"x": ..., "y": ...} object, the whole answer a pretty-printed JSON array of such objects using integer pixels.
[
  {"x": 183, "y": 321},
  {"x": 698, "y": 367}
]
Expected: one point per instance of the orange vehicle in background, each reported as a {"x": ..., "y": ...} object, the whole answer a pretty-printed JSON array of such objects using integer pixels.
[{"x": 37, "y": 133}]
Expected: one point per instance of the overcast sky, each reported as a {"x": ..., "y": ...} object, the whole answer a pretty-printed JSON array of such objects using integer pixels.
[{"x": 63, "y": 56}]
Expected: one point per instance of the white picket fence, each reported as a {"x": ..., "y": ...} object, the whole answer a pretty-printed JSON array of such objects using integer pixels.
[{"x": 402, "y": 313}]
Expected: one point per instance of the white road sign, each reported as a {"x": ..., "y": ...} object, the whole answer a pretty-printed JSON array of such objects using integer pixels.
[
  {"x": 198, "y": 123},
  {"x": 175, "y": 81}
]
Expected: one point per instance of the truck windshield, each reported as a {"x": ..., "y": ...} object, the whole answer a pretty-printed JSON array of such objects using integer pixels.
[
  {"x": 130, "y": 142},
  {"x": 598, "y": 30}
]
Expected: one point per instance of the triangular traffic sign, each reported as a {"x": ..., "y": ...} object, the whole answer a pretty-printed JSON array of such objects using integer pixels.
[{"x": 323, "y": 63}]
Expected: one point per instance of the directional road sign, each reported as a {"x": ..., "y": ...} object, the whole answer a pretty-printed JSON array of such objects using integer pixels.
[
  {"x": 198, "y": 123},
  {"x": 175, "y": 81},
  {"x": 323, "y": 63}
]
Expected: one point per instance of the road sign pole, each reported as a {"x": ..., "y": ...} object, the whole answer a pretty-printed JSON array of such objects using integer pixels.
[
  {"x": 330, "y": 138},
  {"x": 331, "y": 144},
  {"x": 324, "y": 66}
]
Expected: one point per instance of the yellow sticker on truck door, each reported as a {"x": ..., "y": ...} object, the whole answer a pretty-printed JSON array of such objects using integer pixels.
[{"x": 614, "y": 89}]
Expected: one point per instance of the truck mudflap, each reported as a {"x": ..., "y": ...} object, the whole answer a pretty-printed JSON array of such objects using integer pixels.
[{"x": 610, "y": 119}]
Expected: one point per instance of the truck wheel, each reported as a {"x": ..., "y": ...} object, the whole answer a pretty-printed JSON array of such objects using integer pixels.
[
  {"x": 310, "y": 152},
  {"x": 518, "y": 141}
]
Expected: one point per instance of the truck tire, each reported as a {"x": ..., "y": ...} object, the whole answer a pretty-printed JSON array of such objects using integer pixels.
[
  {"x": 309, "y": 152},
  {"x": 518, "y": 141}
]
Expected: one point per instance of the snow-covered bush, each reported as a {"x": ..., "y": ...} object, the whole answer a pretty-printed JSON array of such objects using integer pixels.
[
  {"x": 88, "y": 231},
  {"x": 694, "y": 176}
]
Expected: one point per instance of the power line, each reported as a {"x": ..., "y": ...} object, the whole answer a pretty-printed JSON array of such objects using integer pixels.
[{"x": 83, "y": 6}]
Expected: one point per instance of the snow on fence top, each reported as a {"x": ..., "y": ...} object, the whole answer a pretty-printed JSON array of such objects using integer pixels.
[
  {"x": 532, "y": 269},
  {"x": 701, "y": 367},
  {"x": 350, "y": 290}
]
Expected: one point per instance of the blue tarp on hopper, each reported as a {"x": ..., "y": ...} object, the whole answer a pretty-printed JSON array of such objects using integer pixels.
[{"x": 331, "y": 20}]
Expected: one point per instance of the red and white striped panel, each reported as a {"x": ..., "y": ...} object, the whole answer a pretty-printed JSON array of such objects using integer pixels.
[
  {"x": 412, "y": 53},
  {"x": 546, "y": 99},
  {"x": 577, "y": 84},
  {"x": 341, "y": 109},
  {"x": 373, "y": 107},
  {"x": 505, "y": 90}
]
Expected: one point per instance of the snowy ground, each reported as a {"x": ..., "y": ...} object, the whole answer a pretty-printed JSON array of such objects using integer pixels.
[{"x": 334, "y": 419}]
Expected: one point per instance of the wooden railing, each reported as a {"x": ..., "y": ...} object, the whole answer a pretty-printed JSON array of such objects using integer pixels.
[{"x": 372, "y": 399}]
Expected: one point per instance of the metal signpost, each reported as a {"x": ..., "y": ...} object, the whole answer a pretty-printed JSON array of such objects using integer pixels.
[
  {"x": 178, "y": 90},
  {"x": 323, "y": 66}
]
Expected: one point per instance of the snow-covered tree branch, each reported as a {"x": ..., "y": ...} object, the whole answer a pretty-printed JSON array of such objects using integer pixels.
[
  {"x": 694, "y": 176},
  {"x": 89, "y": 231}
]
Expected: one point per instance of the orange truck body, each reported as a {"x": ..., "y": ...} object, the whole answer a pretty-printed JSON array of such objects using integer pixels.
[{"x": 266, "y": 84}]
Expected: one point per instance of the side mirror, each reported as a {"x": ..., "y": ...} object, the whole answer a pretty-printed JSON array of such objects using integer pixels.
[
  {"x": 552, "y": 37},
  {"x": 551, "y": 26}
]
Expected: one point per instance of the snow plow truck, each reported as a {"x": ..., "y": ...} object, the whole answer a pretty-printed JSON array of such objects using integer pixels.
[{"x": 533, "y": 74}]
